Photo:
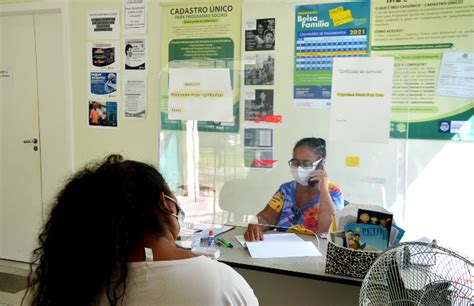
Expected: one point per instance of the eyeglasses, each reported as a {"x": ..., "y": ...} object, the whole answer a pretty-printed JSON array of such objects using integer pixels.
[
  {"x": 179, "y": 212},
  {"x": 305, "y": 164}
]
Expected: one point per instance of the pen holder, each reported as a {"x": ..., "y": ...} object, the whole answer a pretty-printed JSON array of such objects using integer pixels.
[{"x": 347, "y": 262}]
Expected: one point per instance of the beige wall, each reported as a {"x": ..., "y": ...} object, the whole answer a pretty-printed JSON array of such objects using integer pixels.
[
  {"x": 136, "y": 139},
  {"x": 398, "y": 175}
]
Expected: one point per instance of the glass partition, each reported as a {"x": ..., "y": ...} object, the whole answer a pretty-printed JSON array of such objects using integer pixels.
[{"x": 226, "y": 172}]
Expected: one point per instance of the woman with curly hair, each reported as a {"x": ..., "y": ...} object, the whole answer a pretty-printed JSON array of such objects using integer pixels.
[{"x": 92, "y": 247}]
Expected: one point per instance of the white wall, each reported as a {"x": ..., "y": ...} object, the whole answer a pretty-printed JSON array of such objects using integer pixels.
[{"x": 426, "y": 183}]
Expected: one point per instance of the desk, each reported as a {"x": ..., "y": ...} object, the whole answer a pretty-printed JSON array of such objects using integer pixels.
[{"x": 290, "y": 281}]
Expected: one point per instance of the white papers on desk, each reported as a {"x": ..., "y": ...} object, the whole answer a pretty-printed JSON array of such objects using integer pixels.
[
  {"x": 276, "y": 237},
  {"x": 280, "y": 245},
  {"x": 262, "y": 249}
]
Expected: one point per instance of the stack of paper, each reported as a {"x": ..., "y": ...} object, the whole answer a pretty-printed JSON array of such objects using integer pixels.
[{"x": 279, "y": 245}]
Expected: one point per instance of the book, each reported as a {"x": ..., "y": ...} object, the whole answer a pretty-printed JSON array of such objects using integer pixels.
[
  {"x": 396, "y": 234},
  {"x": 366, "y": 237},
  {"x": 365, "y": 216}
]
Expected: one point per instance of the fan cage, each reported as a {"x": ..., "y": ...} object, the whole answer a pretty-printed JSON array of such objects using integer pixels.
[{"x": 416, "y": 273}]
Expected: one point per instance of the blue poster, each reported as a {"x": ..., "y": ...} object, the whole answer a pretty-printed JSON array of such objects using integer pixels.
[
  {"x": 103, "y": 83},
  {"x": 322, "y": 32}
]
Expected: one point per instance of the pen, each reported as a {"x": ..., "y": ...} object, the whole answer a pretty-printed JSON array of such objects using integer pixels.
[{"x": 224, "y": 243}]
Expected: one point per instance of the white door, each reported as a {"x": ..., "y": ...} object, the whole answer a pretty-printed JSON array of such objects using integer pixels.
[
  {"x": 33, "y": 109},
  {"x": 20, "y": 182}
]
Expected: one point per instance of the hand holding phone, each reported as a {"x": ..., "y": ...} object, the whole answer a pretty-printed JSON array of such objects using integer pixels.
[{"x": 320, "y": 166}]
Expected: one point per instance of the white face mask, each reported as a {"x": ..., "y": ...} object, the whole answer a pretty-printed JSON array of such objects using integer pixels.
[{"x": 301, "y": 175}]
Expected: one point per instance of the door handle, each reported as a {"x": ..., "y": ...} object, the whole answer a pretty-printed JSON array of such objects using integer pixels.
[{"x": 34, "y": 140}]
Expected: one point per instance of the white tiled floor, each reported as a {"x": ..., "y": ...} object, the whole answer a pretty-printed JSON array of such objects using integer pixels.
[{"x": 13, "y": 267}]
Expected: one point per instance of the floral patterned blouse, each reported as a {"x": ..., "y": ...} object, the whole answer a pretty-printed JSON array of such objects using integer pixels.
[{"x": 300, "y": 220}]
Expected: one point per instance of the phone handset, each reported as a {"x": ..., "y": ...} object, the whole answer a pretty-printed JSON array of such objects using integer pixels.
[{"x": 320, "y": 166}]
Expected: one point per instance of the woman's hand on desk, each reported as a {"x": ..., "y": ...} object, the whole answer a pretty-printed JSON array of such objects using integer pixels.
[{"x": 254, "y": 232}]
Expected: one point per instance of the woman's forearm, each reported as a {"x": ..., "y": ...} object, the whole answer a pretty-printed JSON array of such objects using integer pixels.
[{"x": 326, "y": 211}]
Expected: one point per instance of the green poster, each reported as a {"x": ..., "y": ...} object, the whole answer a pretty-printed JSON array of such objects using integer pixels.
[
  {"x": 204, "y": 35},
  {"x": 418, "y": 34}
]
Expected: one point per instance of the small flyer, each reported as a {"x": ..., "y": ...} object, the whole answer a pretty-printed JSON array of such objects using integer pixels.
[
  {"x": 102, "y": 114},
  {"x": 134, "y": 16},
  {"x": 260, "y": 35},
  {"x": 259, "y": 69},
  {"x": 103, "y": 24},
  {"x": 135, "y": 53},
  {"x": 135, "y": 95},
  {"x": 103, "y": 84},
  {"x": 103, "y": 55},
  {"x": 258, "y": 147},
  {"x": 258, "y": 104},
  {"x": 200, "y": 94}
]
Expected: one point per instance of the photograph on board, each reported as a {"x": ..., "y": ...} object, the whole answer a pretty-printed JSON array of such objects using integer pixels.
[
  {"x": 258, "y": 137},
  {"x": 103, "y": 55},
  {"x": 260, "y": 106},
  {"x": 260, "y": 71},
  {"x": 102, "y": 114},
  {"x": 260, "y": 35},
  {"x": 103, "y": 84},
  {"x": 258, "y": 158},
  {"x": 135, "y": 54}
]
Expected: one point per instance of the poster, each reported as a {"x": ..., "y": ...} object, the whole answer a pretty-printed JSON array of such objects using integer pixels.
[
  {"x": 418, "y": 34},
  {"x": 135, "y": 54},
  {"x": 103, "y": 85},
  {"x": 258, "y": 104},
  {"x": 102, "y": 114},
  {"x": 135, "y": 92},
  {"x": 200, "y": 94},
  {"x": 361, "y": 86},
  {"x": 103, "y": 55},
  {"x": 323, "y": 32},
  {"x": 134, "y": 12},
  {"x": 259, "y": 69},
  {"x": 456, "y": 75},
  {"x": 103, "y": 24},
  {"x": 260, "y": 34},
  {"x": 258, "y": 147},
  {"x": 204, "y": 35}
]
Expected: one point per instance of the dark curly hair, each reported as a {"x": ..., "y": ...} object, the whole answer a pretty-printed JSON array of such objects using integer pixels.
[
  {"x": 317, "y": 145},
  {"x": 101, "y": 214}
]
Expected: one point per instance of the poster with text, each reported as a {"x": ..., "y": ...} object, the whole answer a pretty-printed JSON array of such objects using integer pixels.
[
  {"x": 323, "y": 32},
  {"x": 259, "y": 69},
  {"x": 258, "y": 147},
  {"x": 103, "y": 24},
  {"x": 102, "y": 114},
  {"x": 103, "y": 55},
  {"x": 258, "y": 104},
  {"x": 135, "y": 99},
  {"x": 420, "y": 34},
  {"x": 103, "y": 85},
  {"x": 260, "y": 34},
  {"x": 203, "y": 35},
  {"x": 203, "y": 94},
  {"x": 134, "y": 12},
  {"x": 361, "y": 86},
  {"x": 135, "y": 53}
]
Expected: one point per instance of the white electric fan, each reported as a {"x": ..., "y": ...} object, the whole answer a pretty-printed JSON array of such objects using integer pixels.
[{"x": 417, "y": 273}]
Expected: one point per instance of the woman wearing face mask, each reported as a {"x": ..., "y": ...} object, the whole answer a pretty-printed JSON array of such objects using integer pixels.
[
  {"x": 297, "y": 206},
  {"x": 92, "y": 247}
]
